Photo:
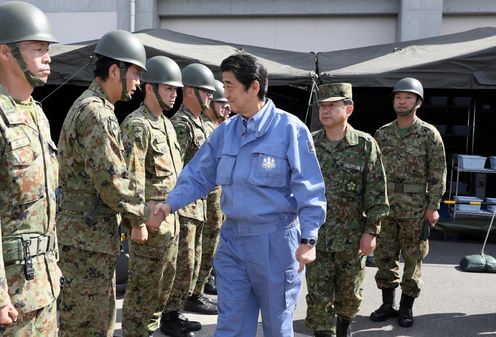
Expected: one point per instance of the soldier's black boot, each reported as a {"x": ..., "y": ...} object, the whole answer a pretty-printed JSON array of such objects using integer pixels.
[
  {"x": 406, "y": 313},
  {"x": 324, "y": 333},
  {"x": 387, "y": 309},
  {"x": 343, "y": 328},
  {"x": 174, "y": 324}
]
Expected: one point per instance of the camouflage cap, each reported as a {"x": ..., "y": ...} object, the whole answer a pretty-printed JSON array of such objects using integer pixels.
[{"x": 335, "y": 92}]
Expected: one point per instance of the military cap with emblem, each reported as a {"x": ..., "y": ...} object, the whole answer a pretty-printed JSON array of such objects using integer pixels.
[{"x": 334, "y": 92}]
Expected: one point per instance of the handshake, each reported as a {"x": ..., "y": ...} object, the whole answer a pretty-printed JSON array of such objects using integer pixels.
[{"x": 158, "y": 213}]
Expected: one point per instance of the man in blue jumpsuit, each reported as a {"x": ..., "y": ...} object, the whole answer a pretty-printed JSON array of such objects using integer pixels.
[{"x": 272, "y": 197}]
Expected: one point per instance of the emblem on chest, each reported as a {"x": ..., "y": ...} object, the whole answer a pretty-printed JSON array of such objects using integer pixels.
[{"x": 268, "y": 163}]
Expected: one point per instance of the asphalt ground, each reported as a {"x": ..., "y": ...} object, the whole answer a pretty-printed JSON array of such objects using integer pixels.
[{"x": 453, "y": 303}]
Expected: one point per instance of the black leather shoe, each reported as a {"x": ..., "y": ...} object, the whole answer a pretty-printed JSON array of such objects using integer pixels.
[
  {"x": 175, "y": 324},
  {"x": 202, "y": 305},
  {"x": 210, "y": 287}
]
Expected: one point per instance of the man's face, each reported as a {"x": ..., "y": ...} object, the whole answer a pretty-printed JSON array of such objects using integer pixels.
[
  {"x": 35, "y": 54},
  {"x": 168, "y": 94},
  {"x": 334, "y": 113},
  {"x": 205, "y": 96},
  {"x": 223, "y": 109},
  {"x": 236, "y": 94},
  {"x": 132, "y": 79},
  {"x": 404, "y": 102}
]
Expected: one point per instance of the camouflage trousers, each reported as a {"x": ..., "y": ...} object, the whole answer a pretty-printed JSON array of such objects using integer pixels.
[
  {"x": 400, "y": 236},
  {"x": 210, "y": 239},
  {"x": 334, "y": 288},
  {"x": 86, "y": 305},
  {"x": 38, "y": 323},
  {"x": 148, "y": 288},
  {"x": 189, "y": 254}
]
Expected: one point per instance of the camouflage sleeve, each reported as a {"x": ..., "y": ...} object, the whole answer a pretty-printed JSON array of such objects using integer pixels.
[
  {"x": 184, "y": 137},
  {"x": 105, "y": 164},
  {"x": 4, "y": 287},
  {"x": 436, "y": 171},
  {"x": 135, "y": 138},
  {"x": 375, "y": 195}
]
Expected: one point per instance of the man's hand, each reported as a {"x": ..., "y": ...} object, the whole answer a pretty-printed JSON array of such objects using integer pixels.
[
  {"x": 162, "y": 209},
  {"x": 367, "y": 244},
  {"x": 156, "y": 218},
  {"x": 139, "y": 234},
  {"x": 432, "y": 216},
  {"x": 304, "y": 254},
  {"x": 8, "y": 314}
]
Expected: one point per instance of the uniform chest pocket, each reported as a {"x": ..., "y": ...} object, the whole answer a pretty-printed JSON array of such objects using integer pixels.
[
  {"x": 161, "y": 158},
  {"x": 26, "y": 172},
  {"x": 415, "y": 161},
  {"x": 225, "y": 169},
  {"x": 350, "y": 178},
  {"x": 269, "y": 166}
]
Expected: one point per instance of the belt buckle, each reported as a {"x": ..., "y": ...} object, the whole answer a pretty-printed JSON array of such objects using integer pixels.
[{"x": 398, "y": 188}]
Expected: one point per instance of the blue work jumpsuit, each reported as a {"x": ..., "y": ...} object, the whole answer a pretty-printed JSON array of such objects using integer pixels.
[{"x": 272, "y": 194}]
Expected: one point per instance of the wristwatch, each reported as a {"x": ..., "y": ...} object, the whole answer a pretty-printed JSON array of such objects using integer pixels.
[{"x": 310, "y": 242}]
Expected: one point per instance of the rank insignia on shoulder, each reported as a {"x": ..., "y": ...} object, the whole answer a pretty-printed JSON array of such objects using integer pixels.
[
  {"x": 310, "y": 146},
  {"x": 268, "y": 163}
]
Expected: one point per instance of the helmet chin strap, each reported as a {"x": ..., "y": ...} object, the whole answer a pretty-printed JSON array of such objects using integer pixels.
[
  {"x": 198, "y": 97},
  {"x": 408, "y": 112},
  {"x": 32, "y": 79},
  {"x": 162, "y": 104},
  {"x": 124, "y": 95}
]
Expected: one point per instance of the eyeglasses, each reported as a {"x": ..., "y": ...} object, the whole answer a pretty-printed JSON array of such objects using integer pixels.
[{"x": 207, "y": 92}]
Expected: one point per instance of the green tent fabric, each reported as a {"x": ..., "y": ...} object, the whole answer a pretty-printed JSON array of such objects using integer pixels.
[
  {"x": 456, "y": 61},
  {"x": 284, "y": 67}
]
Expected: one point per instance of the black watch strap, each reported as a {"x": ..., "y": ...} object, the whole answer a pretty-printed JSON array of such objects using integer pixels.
[{"x": 310, "y": 242}]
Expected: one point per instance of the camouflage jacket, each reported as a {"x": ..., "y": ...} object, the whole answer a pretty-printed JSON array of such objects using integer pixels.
[
  {"x": 191, "y": 134},
  {"x": 154, "y": 161},
  {"x": 355, "y": 189},
  {"x": 94, "y": 180},
  {"x": 418, "y": 158},
  {"x": 29, "y": 178}
]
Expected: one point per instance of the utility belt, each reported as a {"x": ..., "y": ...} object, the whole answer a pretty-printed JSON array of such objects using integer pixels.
[
  {"x": 406, "y": 188},
  {"x": 21, "y": 249},
  {"x": 90, "y": 206}
]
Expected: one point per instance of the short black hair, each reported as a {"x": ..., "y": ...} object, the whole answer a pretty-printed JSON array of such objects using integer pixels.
[
  {"x": 103, "y": 64},
  {"x": 246, "y": 69}
]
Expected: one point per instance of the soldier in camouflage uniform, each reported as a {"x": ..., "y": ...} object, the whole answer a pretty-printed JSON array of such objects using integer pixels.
[
  {"x": 29, "y": 275},
  {"x": 95, "y": 188},
  {"x": 415, "y": 163},
  {"x": 212, "y": 117},
  {"x": 154, "y": 162},
  {"x": 198, "y": 88},
  {"x": 356, "y": 202}
]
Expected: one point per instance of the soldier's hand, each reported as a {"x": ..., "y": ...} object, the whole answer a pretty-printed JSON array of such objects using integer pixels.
[
  {"x": 367, "y": 244},
  {"x": 8, "y": 314},
  {"x": 304, "y": 254},
  {"x": 432, "y": 216},
  {"x": 139, "y": 234}
]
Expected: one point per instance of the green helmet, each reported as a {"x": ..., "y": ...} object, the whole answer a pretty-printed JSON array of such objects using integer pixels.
[
  {"x": 122, "y": 46},
  {"x": 20, "y": 21},
  {"x": 219, "y": 92},
  {"x": 198, "y": 76},
  {"x": 162, "y": 70},
  {"x": 409, "y": 84}
]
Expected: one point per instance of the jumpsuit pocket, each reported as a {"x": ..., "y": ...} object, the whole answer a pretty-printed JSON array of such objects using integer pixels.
[
  {"x": 292, "y": 287},
  {"x": 225, "y": 169},
  {"x": 269, "y": 166}
]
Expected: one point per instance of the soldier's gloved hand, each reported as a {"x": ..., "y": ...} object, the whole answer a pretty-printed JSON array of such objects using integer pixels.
[
  {"x": 139, "y": 234},
  {"x": 8, "y": 314}
]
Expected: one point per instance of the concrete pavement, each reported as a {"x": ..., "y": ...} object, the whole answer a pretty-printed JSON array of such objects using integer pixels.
[{"x": 453, "y": 303}]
